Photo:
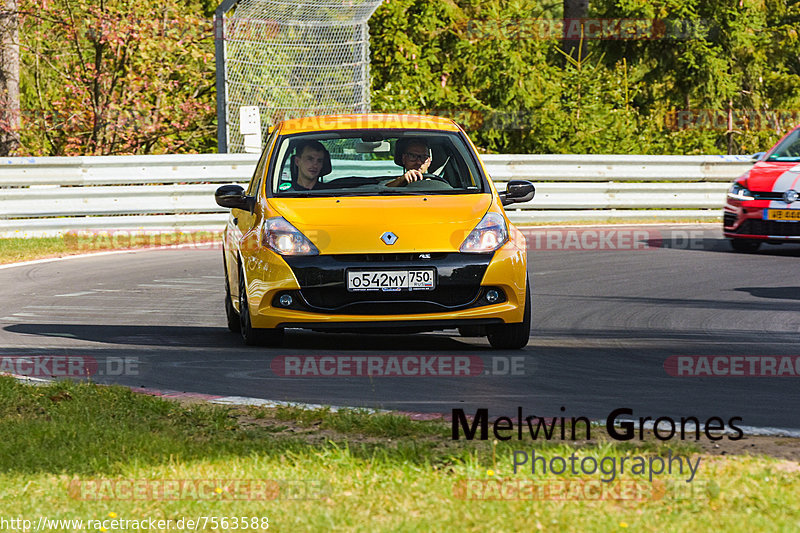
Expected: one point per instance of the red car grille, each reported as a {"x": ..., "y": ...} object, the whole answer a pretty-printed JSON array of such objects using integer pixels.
[{"x": 769, "y": 227}]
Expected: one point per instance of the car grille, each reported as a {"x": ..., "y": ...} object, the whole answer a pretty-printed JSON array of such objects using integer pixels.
[
  {"x": 766, "y": 195},
  {"x": 323, "y": 287},
  {"x": 769, "y": 227},
  {"x": 728, "y": 219},
  {"x": 333, "y": 300},
  {"x": 388, "y": 258}
]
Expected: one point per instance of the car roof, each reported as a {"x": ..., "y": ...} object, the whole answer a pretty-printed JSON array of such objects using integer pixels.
[{"x": 366, "y": 121}]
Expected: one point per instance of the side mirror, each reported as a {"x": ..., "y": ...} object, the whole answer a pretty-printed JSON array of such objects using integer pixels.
[
  {"x": 518, "y": 191},
  {"x": 757, "y": 156},
  {"x": 234, "y": 197}
]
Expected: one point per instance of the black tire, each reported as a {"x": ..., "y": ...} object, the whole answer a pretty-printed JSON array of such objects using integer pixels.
[
  {"x": 254, "y": 336},
  {"x": 234, "y": 323},
  {"x": 745, "y": 245},
  {"x": 513, "y": 336},
  {"x": 472, "y": 331}
]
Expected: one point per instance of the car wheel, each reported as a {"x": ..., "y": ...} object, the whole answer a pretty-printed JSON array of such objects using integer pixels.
[
  {"x": 472, "y": 331},
  {"x": 250, "y": 335},
  {"x": 745, "y": 245},
  {"x": 230, "y": 313},
  {"x": 234, "y": 321},
  {"x": 513, "y": 336}
]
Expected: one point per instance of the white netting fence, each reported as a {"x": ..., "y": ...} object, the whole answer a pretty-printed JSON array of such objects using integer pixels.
[{"x": 295, "y": 58}]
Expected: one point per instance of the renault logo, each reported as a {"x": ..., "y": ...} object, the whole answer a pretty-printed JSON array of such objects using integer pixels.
[
  {"x": 790, "y": 196},
  {"x": 389, "y": 238}
]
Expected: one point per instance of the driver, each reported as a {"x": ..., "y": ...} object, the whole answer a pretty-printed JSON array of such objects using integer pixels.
[{"x": 416, "y": 159}]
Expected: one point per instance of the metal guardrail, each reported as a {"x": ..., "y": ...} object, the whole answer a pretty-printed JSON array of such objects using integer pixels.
[
  {"x": 126, "y": 170},
  {"x": 571, "y": 168},
  {"x": 52, "y": 195}
]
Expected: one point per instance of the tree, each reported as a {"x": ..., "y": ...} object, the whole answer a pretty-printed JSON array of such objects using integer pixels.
[
  {"x": 574, "y": 11},
  {"x": 9, "y": 79},
  {"x": 708, "y": 61},
  {"x": 116, "y": 77}
]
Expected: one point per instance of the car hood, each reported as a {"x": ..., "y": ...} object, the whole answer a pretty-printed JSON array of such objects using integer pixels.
[
  {"x": 768, "y": 176},
  {"x": 346, "y": 225}
]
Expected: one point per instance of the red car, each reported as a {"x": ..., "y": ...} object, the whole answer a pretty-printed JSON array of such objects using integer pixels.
[{"x": 763, "y": 205}]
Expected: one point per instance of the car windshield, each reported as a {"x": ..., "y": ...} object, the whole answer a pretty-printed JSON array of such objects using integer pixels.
[
  {"x": 372, "y": 163},
  {"x": 788, "y": 150}
]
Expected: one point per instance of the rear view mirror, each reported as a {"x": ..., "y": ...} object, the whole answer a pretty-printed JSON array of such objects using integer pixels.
[
  {"x": 757, "y": 156},
  {"x": 373, "y": 147}
]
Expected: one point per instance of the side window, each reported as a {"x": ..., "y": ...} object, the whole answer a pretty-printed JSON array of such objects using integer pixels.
[
  {"x": 794, "y": 149},
  {"x": 259, "y": 173}
]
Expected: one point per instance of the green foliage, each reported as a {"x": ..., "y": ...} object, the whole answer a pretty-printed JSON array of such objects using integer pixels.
[
  {"x": 114, "y": 76},
  {"x": 492, "y": 68},
  {"x": 713, "y": 56}
]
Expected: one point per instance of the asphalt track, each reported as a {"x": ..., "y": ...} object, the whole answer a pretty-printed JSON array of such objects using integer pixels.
[{"x": 608, "y": 312}]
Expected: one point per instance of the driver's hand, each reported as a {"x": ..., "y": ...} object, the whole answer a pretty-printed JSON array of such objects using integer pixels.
[
  {"x": 405, "y": 179},
  {"x": 412, "y": 175}
]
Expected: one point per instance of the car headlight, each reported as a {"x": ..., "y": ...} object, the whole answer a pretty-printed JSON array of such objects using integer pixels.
[
  {"x": 284, "y": 239},
  {"x": 739, "y": 192},
  {"x": 490, "y": 234}
]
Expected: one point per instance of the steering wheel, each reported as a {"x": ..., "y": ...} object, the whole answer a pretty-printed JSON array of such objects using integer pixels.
[{"x": 429, "y": 176}]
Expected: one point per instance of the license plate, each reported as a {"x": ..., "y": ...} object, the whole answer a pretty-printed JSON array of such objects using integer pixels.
[
  {"x": 391, "y": 280},
  {"x": 783, "y": 214}
]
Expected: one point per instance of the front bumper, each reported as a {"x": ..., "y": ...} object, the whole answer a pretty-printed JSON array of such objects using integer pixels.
[
  {"x": 746, "y": 220},
  {"x": 322, "y": 301}
]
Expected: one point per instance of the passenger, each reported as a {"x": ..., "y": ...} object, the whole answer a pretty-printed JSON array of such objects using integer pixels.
[
  {"x": 415, "y": 158},
  {"x": 310, "y": 162}
]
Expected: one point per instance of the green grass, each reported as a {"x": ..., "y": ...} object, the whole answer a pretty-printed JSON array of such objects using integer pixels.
[
  {"x": 361, "y": 471},
  {"x": 14, "y": 250},
  {"x": 361, "y": 421}
]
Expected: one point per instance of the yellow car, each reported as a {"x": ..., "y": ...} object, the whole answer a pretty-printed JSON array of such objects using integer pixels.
[{"x": 378, "y": 223}]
